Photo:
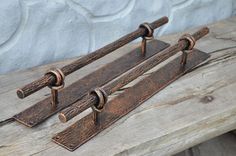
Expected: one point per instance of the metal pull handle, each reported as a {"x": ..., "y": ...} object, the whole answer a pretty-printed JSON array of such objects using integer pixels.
[
  {"x": 186, "y": 42},
  {"x": 49, "y": 79}
]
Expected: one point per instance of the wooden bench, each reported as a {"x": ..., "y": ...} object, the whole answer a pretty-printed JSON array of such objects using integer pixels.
[{"x": 197, "y": 107}]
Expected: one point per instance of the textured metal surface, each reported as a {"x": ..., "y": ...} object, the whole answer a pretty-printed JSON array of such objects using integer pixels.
[
  {"x": 42, "y": 110},
  {"x": 91, "y": 100},
  {"x": 48, "y": 80},
  {"x": 85, "y": 129}
]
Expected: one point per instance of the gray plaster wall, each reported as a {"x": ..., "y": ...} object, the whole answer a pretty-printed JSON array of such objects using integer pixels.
[{"x": 35, "y": 32}]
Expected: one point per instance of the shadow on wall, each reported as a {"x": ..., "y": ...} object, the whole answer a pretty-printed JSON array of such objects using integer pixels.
[{"x": 38, "y": 32}]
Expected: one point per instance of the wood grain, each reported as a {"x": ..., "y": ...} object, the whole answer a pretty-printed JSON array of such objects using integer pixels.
[{"x": 197, "y": 107}]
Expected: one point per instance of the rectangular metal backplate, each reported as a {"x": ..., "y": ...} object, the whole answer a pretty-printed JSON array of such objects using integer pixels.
[
  {"x": 85, "y": 129},
  {"x": 42, "y": 110}
]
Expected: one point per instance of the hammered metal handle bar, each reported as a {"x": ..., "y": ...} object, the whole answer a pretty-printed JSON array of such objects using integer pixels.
[
  {"x": 186, "y": 42},
  {"x": 48, "y": 79}
]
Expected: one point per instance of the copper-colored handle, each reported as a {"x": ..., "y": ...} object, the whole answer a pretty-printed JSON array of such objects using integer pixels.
[
  {"x": 50, "y": 80},
  {"x": 200, "y": 33},
  {"x": 90, "y": 99}
]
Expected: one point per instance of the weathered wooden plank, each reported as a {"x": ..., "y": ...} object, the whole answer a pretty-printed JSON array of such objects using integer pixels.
[
  {"x": 222, "y": 145},
  {"x": 170, "y": 125},
  {"x": 197, "y": 107}
]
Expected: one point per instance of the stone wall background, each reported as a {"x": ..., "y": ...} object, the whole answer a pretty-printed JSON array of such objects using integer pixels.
[{"x": 35, "y": 32}]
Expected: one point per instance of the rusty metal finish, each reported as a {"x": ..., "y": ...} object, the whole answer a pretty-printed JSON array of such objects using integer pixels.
[
  {"x": 148, "y": 36},
  {"x": 85, "y": 129},
  {"x": 60, "y": 78},
  {"x": 48, "y": 80},
  {"x": 90, "y": 100},
  {"x": 42, "y": 110}
]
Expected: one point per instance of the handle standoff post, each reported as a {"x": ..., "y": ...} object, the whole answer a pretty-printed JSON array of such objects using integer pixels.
[
  {"x": 147, "y": 36},
  {"x": 59, "y": 84},
  {"x": 98, "y": 108},
  {"x": 191, "y": 43}
]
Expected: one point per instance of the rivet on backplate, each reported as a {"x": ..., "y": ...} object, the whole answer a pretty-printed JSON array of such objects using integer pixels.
[
  {"x": 31, "y": 122},
  {"x": 71, "y": 145},
  {"x": 57, "y": 137}
]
